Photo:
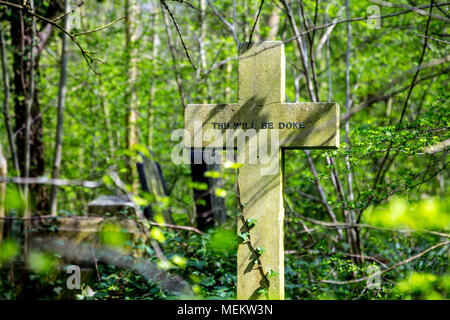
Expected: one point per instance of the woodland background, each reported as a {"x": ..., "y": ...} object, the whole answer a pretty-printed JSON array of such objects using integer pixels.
[{"x": 111, "y": 83}]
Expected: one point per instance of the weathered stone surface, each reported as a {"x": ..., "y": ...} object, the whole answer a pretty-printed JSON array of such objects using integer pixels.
[
  {"x": 262, "y": 199},
  {"x": 111, "y": 205},
  {"x": 261, "y": 72},
  {"x": 317, "y": 123},
  {"x": 82, "y": 230},
  {"x": 299, "y": 125}
]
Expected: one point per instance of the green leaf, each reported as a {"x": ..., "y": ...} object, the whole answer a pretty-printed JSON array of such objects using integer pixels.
[
  {"x": 260, "y": 250},
  {"x": 243, "y": 236},
  {"x": 251, "y": 222},
  {"x": 271, "y": 274}
]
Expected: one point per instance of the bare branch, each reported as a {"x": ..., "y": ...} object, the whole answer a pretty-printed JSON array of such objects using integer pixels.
[
  {"x": 68, "y": 13},
  {"x": 99, "y": 28},
  {"x": 230, "y": 26},
  {"x": 405, "y": 6},
  {"x": 406, "y": 261},
  {"x": 434, "y": 39},
  {"x": 177, "y": 27},
  {"x": 437, "y": 147},
  {"x": 56, "y": 182},
  {"x": 424, "y": 48},
  {"x": 256, "y": 21},
  {"x": 368, "y": 226}
]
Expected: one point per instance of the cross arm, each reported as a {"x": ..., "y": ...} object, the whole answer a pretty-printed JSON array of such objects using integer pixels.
[{"x": 300, "y": 125}]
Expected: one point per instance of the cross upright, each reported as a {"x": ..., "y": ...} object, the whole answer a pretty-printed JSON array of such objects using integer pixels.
[{"x": 261, "y": 107}]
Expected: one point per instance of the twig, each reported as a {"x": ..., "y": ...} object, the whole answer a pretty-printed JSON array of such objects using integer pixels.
[
  {"x": 424, "y": 48},
  {"x": 95, "y": 263},
  {"x": 172, "y": 226},
  {"x": 435, "y": 39},
  {"x": 256, "y": 21},
  {"x": 56, "y": 182},
  {"x": 68, "y": 13},
  {"x": 324, "y": 26},
  {"x": 177, "y": 27},
  {"x": 317, "y": 252},
  {"x": 86, "y": 55},
  {"x": 230, "y": 26},
  {"x": 323, "y": 197},
  {"x": 410, "y": 259},
  {"x": 50, "y": 217},
  {"x": 361, "y": 225},
  {"x": 405, "y": 6},
  {"x": 381, "y": 171},
  {"x": 99, "y": 28}
]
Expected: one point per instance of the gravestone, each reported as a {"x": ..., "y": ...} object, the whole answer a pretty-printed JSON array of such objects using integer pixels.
[
  {"x": 112, "y": 206},
  {"x": 261, "y": 109},
  {"x": 210, "y": 208},
  {"x": 152, "y": 181}
]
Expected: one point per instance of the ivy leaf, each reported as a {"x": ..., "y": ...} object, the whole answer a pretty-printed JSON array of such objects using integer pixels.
[
  {"x": 271, "y": 274},
  {"x": 209, "y": 281},
  {"x": 243, "y": 236},
  {"x": 251, "y": 222},
  {"x": 260, "y": 250},
  {"x": 263, "y": 290}
]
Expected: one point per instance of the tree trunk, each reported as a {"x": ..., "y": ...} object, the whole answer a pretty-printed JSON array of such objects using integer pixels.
[
  {"x": 21, "y": 34},
  {"x": 151, "y": 107},
  {"x": 6, "y": 112},
  {"x": 354, "y": 232},
  {"x": 273, "y": 22},
  {"x": 132, "y": 11},
  {"x": 60, "y": 121}
]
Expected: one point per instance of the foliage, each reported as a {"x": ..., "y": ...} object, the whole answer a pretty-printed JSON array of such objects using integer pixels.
[{"x": 401, "y": 204}]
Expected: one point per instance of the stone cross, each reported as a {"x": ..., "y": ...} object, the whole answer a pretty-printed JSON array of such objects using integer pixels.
[{"x": 262, "y": 110}]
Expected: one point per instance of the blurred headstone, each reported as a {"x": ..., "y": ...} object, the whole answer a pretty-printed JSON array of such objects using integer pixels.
[{"x": 111, "y": 205}]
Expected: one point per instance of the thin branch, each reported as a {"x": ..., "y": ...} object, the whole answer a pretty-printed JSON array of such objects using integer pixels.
[
  {"x": 434, "y": 39},
  {"x": 368, "y": 226},
  {"x": 68, "y": 13},
  {"x": 406, "y": 261},
  {"x": 301, "y": 49},
  {"x": 99, "y": 28},
  {"x": 322, "y": 192},
  {"x": 86, "y": 55},
  {"x": 317, "y": 252},
  {"x": 185, "y": 2},
  {"x": 405, "y": 6},
  {"x": 230, "y": 27},
  {"x": 382, "y": 96},
  {"x": 56, "y": 182},
  {"x": 325, "y": 26},
  {"x": 177, "y": 27},
  {"x": 256, "y": 21},
  {"x": 152, "y": 223},
  {"x": 424, "y": 48},
  {"x": 381, "y": 171}
]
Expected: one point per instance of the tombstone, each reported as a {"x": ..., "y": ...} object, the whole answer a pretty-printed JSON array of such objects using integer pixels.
[
  {"x": 261, "y": 108},
  {"x": 209, "y": 208},
  {"x": 152, "y": 181},
  {"x": 112, "y": 205}
]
